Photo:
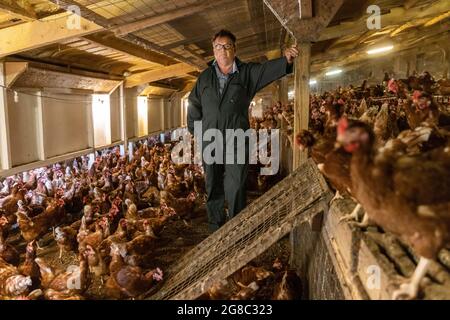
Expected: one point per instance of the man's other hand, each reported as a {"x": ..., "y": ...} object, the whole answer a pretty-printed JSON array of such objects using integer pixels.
[{"x": 291, "y": 53}]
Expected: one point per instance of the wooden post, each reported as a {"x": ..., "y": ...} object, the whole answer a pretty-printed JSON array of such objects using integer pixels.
[
  {"x": 5, "y": 151},
  {"x": 283, "y": 90},
  {"x": 286, "y": 150},
  {"x": 301, "y": 97},
  {"x": 275, "y": 93}
]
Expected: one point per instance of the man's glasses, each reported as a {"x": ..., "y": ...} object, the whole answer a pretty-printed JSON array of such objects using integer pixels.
[{"x": 226, "y": 46}]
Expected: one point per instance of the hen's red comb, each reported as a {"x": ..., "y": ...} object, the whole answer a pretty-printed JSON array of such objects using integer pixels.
[
  {"x": 342, "y": 126},
  {"x": 416, "y": 94}
]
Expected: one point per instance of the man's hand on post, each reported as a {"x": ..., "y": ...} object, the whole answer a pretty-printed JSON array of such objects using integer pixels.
[{"x": 291, "y": 53}]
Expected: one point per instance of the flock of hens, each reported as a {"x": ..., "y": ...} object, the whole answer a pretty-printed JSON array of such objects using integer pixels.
[
  {"x": 388, "y": 147},
  {"x": 385, "y": 146},
  {"x": 109, "y": 214}
]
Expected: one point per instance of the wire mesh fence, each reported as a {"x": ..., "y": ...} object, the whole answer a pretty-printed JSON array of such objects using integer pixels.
[{"x": 295, "y": 199}]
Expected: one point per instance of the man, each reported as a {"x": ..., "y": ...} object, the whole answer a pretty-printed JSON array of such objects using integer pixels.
[{"x": 220, "y": 100}]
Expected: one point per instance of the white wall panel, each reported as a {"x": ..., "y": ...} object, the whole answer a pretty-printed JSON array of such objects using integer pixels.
[
  {"x": 155, "y": 109},
  {"x": 168, "y": 115},
  {"x": 142, "y": 116},
  {"x": 23, "y": 127},
  {"x": 101, "y": 117},
  {"x": 176, "y": 108},
  {"x": 65, "y": 123},
  {"x": 131, "y": 111}
]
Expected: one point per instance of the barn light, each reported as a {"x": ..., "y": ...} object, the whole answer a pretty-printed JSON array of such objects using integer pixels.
[
  {"x": 312, "y": 82},
  {"x": 379, "y": 50},
  {"x": 333, "y": 72}
]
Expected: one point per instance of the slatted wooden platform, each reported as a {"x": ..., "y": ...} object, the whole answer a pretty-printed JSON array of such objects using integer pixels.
[{"x": 344, "y": 262}]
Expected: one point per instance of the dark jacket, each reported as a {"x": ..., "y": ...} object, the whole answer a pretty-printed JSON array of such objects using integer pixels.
[{"x": 230, "y": 111}]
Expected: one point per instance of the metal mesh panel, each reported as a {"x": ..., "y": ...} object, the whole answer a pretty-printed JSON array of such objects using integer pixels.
[{"x": 254, "y": 230}]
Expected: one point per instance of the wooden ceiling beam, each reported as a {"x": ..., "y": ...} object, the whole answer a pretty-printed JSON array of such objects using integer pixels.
[
  {"x": 175, "y": 70},
  {"x": 159, "y": 19},
  {"x": 174, "y": 86},
  {"x": 35, "y": 34},
  {"x": 437, "y": 19},
  {"x": 84, "y": 12},
  {"x": 40, "y": 33},
  {"x": 13, "y": 70},
  {"x": 409, "y": 4},
  {"x": 246, "y": 29},
  {"x": 189, "y": 86},
  {"x": 412, "y": 37},
  {"x": 165, "y": 17},
  {"x": 252, "y": 54},
  {"x": 193, "y": 54},
  {"x": 396, "y": 16},
  {"x": 254, "y": 39},
  {"x": 103, "y": 22},
  {"x": 350, "y": 55},
  {"x": 154, "y": 47},
  {"x": 127, "y": 48},
  {"x": 20, "y": 9}
]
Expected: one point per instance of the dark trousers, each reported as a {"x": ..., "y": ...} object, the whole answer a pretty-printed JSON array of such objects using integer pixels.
[{"x": 224, "y": 182}]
